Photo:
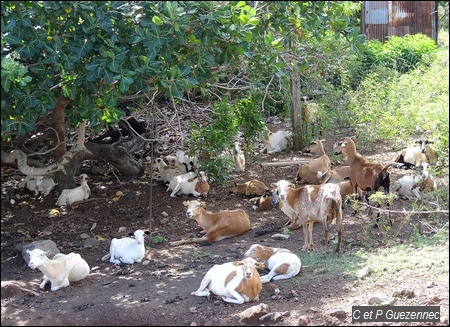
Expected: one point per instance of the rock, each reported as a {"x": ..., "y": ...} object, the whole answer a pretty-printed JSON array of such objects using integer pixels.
[
  {"x": 280, "y": 236},
  {"x": 380, "y": 299},
  {"x": 364, "y": 272},
  {"x": 304, "y": 320},
  {"x": 44, "y": 245},
  {"x": 338, "y": 313},
  {"x": 253, "y": 313},
  {"x": 91, "y": 242}
]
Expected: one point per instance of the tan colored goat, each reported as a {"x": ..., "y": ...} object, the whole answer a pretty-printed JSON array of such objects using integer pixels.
[
  {"x": 416, "y": 155},
  {"x": 364, "y": 174},
  {"x": 216, "y": 226},
  {"x": 314, "y": 171},
  {"x": 250, "y": 188}
]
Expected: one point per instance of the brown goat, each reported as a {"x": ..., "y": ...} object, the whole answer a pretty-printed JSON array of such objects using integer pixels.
[
  {"x": 416, "y": 155},
  {"x": 314, "y": 172},
  {"x": 336, "y": 175},
  {"x": 366, "y": 175},
  {"x": 216, "y": 226},
  {"x": 250, "y": 188}
]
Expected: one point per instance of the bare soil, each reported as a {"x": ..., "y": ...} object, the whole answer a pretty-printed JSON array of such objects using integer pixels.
[{"x": 158, "y": 291}]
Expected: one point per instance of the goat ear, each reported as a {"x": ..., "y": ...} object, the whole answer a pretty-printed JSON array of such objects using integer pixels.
[
  {"x": 203, "y": 204},
  {"x": 185, "y": 203},
  {"x": 147, "y": 232},
  {"x": 274, "y": 185},
  {"x": 353, "y": 137},
  {"x": 322, "y": 140},
  {"x": 237, "y": 263},
  {"x": 48, "y": 252},
  {"x": 27, "y": 251},
  {"x": 130, "y": 234}
]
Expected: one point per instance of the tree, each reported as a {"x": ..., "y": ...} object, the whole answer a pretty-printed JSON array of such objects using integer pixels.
[{"x": 70, "y": 62}]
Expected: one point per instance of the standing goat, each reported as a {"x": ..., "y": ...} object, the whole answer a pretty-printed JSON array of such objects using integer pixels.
[
  {"x": 315, "y": 171},
  {"x": 312, "y": 203},
  {"x": 238, "y": 157},
  {"x": 79, "y": 193},
  {"x": 216, "y": 226},
  {"x": 282, "y": 263},
  {"x": 59, "y": 271},
  {"x": 366, "y": 175},
  {"x": 235, "y": 282},
  {"x": 127, "y": 250}
]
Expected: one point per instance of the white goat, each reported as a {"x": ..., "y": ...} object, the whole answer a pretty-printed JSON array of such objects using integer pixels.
[
  {"x": 196, "y": 186},
  {"x": 39, "y": 184},
  {"x": 238, "y": 157},
  {"x": 184, "y": 163},
  {"x": 61, "y": 270},
  {"x": 216, "y": 226},
  {"x": 166, "y": 171},
  {"x": 282, "y": 263},
  {"x": 178, "y": 179},
  {"x": 312, "y": 203},
  {"x": 235, "y": 282},
  {"x": 276, "y": 141},
  {"x": 126, "y": 249},
  {"x": 79, "y": 193},
  {"x": 411, "y": 186}
]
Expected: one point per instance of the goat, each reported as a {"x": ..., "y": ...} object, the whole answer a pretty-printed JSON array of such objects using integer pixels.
[
  {"x": 282, "y": 263},
  {"x": 235, "y": 282},
  {"x": 312, "y": 203},
  {"x": 80, "y": 193},
  {"x": 39, "y": 184},
  {"x": 250, "y": 188},
  {"x": 184, "y": 163},
  {"x": 59, "y": 271},
  {"x": 178, "y": 179},
  {"x": 414, "y": 156},
  {"x": 276, "y": 141},
  {"x": 411, "y": 186},
  {"x": 263, "y": 202},
  {"x": 314, "y": 171},
  {"x": 336, "y": 175},
  {"x": 366, "y": 175},
  {"x": 216, "y": 226},
  {"x": 238, "y": 157},
  {"x": 126, "y": 249},
  {"x": 166, "y": 171},
  {"x": 196, "y": 186}
]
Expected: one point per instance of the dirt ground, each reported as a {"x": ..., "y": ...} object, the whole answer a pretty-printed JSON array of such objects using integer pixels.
[{"x": 157, "y": 291}]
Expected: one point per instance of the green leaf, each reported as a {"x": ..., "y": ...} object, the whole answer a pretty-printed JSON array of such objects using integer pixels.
[{"x": 158, "y": 21}]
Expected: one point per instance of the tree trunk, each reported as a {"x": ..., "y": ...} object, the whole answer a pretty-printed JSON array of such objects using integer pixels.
[
  {"x": 59, "y": 137},
  {"x": 296, "y": 113}
]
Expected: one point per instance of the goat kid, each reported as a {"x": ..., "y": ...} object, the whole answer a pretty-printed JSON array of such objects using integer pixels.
[
  {"x": 197, "y": 186},
  {"x": 235, "y": 282},
  {"x": 238, "y": 157},
  {"x": 127, "y": 250},
  {"x": 276, "y": 141},
  {"x": 282, "y": 263},
  {"x": 39, "y": 184},
  {"x": 216, "y": 226}
]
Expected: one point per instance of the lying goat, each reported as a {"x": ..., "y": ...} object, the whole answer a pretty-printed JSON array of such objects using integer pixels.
[
  {"x": 59, "y": 271},
  {"x": 282, "y": 263},
  {"x": 79, "y": 193},
  {"x": 414, "y": 156},
  {"x": 216, "y": 226},
  {"x": 127, "y": 250},
  {"x": 315, "y": 171},
  {"x": 235, "y": 282}
]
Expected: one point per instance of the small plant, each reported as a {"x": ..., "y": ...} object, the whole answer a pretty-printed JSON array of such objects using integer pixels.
[
  {"x": 286, "y": 231},
  {"x": 195, "y": 256},
  {"x": 158, "y": 239}
]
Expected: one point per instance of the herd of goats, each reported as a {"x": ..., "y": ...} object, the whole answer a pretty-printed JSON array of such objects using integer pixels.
[{"x": 318, "y": 199}]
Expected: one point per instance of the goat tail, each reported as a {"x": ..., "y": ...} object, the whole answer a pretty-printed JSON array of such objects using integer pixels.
[{"x": 106, "y": 257}]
